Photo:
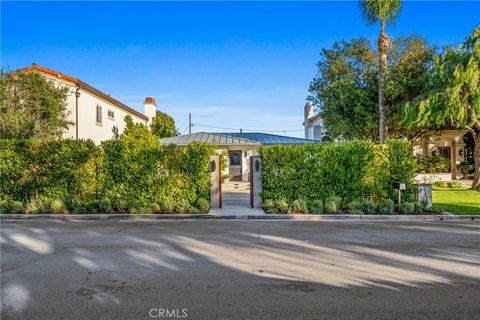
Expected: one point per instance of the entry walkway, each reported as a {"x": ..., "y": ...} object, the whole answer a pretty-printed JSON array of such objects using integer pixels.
[{"x": 236, "y": 200}]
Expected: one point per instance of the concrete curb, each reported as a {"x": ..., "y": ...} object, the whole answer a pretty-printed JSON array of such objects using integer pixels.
[{"x": 285, "y": 217}]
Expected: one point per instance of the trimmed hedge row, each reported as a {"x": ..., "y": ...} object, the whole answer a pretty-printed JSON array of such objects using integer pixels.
[
  {"x": 118, "y": 175},
  {"x": 352, "y": 171}
]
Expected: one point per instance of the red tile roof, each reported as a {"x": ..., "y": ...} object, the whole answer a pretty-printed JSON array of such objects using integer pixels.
[{"x": 82, "y": 85}]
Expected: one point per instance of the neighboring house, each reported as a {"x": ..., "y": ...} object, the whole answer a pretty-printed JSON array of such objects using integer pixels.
[
  {"x": 313, "y": 124},
  {"x": 96, "y": 115},
  {"x": 240, "y": 147},
  {"x": 449, "y": 144}
]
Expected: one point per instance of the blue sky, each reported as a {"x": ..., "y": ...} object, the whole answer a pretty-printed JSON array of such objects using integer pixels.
[{"x": 232, "y": 64}]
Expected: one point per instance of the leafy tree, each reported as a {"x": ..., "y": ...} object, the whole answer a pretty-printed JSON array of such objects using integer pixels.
[
  {"x": 411, "y": 59},
  {"x": 453, "y": 99},
  {"x": 344, "y": 90},
  {"x": 346, "y": 87},
  {"x": 163, "y": 125},
  {"x": 138, "y": 135},
  {"x": 381, "y": 11},
  {"x": 32, "y": 107}
]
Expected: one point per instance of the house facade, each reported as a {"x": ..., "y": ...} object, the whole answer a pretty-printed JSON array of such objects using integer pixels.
[
  {"x": 96, "y": 115},
  {"x": 313, "y": 124},
  {"x": 447, "y": 143},
  {"x": 238, "y": 146}
]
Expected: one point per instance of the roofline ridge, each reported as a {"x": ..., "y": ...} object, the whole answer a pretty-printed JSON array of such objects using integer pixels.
[{"x": 83, "y": 85}]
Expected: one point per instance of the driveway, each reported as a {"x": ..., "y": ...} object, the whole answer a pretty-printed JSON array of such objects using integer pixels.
[{"x": 222, "y": 269}]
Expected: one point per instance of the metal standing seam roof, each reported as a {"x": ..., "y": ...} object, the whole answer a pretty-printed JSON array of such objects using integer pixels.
[
  {"x": 236, "y": 139},
  {"x": 269, "y": 139},
  {"x": 213, "y": 138}
]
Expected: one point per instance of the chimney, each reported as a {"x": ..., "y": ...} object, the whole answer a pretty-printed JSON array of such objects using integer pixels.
[
  {"x": 308, "y": 113},
  {"x": 150, "y": 108}
]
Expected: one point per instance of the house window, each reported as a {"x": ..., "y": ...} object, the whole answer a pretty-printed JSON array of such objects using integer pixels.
[
  {"x": 99, "y": 115},
  {"x": 111, "y": 114},
  {"x": 317, "y": 132}
]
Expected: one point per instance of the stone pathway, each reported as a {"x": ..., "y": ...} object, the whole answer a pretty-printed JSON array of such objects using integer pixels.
[{"x": 236, "y": 200}]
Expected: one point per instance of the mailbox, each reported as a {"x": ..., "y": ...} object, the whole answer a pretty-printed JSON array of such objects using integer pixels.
[{"x": 399, "y": 185}]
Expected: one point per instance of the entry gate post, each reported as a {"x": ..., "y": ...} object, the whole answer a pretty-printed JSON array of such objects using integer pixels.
[
  {"x": 215, "y": 183},
  {"x": 256, "y": 182}
]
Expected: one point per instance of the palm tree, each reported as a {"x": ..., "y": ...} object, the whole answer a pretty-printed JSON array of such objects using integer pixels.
[{"x": 381, "y": 11}]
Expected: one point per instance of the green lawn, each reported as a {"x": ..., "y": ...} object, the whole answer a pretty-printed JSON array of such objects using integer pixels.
[{"x": 457, "y": 201}]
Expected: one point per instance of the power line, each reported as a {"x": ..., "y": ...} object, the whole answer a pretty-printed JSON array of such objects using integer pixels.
[{"x": 241, "y": 129}]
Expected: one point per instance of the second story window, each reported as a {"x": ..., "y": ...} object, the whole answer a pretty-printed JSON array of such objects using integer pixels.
[
  {"x": 99, "y": 115},
  {"x": 111, "y": 114}
]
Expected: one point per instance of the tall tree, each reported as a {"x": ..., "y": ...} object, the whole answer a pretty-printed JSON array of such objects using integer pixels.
[
  {"x": 163, "y": 126},
  {"x": 453, "y": 99},
  {"x": 410, "y": 61},
  {"x": 32, "y": 107},
  {"x": 382, "y": 11},
  {"x": 345, "y": 88}
]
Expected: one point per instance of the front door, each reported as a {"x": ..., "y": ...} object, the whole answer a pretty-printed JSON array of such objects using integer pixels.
[{"x": 235, "y": 165}]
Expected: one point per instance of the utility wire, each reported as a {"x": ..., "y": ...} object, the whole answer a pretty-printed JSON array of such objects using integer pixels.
[{"x": 241, "y": 129}]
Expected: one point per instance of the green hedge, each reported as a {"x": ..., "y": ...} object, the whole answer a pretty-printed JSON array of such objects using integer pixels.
[
  {"x": 54, "y": 169},
  {"x": 121, "y": 174},
  {"x": 138, "y": 176},
  {"x": 350, "y": 170}
]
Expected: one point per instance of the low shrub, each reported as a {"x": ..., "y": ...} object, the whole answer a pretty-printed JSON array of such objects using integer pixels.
[
  {"x": 466, "y": 167},
  {"x": 331, "y": 205},
  {"x": 92, "y": 206},
  {"x": 57, "y": 206},
  {"x": 299, "y": 206},
  {"x": 455, "y": 185},
  {"x": 355, "y": 207},
  {"x": 105, "y": 205},
  {"x": 38, "y": 204},
  {"x": 3, "y": 206},
  {"x": 448, "y": 185},
  {"x": 182, "y": 206},
  {"x": 282, "y": 206},
  {"x": 203, "y": 205},
  {"x": 441, "y": 184},
  {"x": 80, "y": 209},
  {"x": 369, "y": 206},
  {"x": 316, "y": 207},
  {"x": 16, "y": 207},
  {"x": 269, "y": 206},
  {"x": 155, "y": 208},
  {"x": 140, "y": 210},
  {"x": 167, "y": 205},
  {"x": 434, "y": 164},
  {"x": 386, "y": 206},
  {"x": 407, "y": 208}
]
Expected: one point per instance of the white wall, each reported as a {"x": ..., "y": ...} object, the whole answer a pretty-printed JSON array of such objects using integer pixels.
[
  {"x": 310, "y": 128},
  {"x": 87, "y": 108}
]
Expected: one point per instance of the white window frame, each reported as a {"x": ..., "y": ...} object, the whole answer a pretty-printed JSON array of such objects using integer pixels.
[{"x": 113, "y": 114}]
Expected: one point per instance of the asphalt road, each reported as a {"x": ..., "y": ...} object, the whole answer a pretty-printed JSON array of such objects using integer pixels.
[{"x": 240, "y": 270}]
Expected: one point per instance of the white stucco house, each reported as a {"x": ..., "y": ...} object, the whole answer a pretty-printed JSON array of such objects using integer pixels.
[
  {"x": 447, "y": 143},
  {"x": 96, "y": 115},
  {"x": 313, "y": 124}
]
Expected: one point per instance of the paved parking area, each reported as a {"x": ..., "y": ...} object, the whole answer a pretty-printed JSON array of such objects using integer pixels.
[{"x": 221, "y": 269}]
